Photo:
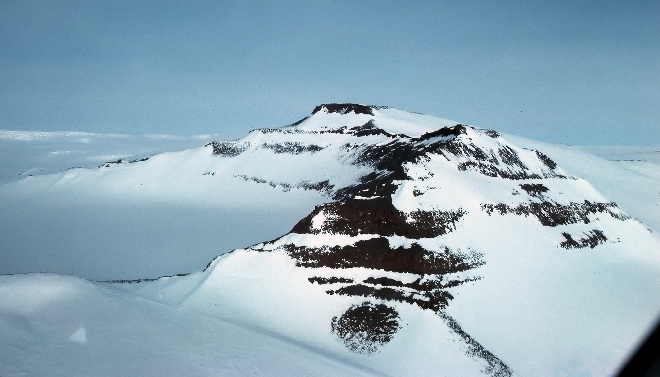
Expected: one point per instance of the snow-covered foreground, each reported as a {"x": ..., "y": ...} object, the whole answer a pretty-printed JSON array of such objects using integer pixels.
[
  {"x": 55, "y": 325},
  {"x": 369, "y": 241}
]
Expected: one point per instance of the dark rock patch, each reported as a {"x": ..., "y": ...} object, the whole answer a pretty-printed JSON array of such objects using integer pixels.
[
  {"x": 287, "y": 130},
  {"x": 370, "y": 129},
  {"x": 364, "y": 328},
  {"x": 462, "y": 148},
  {"x": 546, "y": 160},
  {"x": 323, "y": 186},
  {"x": 456, "y": 130},
  {"x": 432, "y": 299},
  {"x": 534, "y": 189},
  {"x": 510, "y": 157},
  {"x": 292, "y": 147},
  {"x": 228, "y": 148},
  {"x": 492, "y": 133},
  {"x": 379, "y": 184},
  {"x": 385, "y": 281},
  {"x": 491, "y": 170},
  {"x": 330, "y": 280},
  {"x": 591, "y": 239},
  {"x": 553, "y": 214},
  {"x": 110, "y": 163},
  {"x": 253, "y": 179},
  {"x": 138, "y": 160},
  {"x": 389, "y": 156}
]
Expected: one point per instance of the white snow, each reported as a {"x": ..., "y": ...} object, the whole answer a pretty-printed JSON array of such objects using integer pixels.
[
  {"x": 631, "y": 184},
  {"x": 80, "y": 336},
  {"x": 414, "y": 125}
]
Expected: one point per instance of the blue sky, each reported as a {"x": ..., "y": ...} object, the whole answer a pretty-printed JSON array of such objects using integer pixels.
[{"x": 573, "y": 72}]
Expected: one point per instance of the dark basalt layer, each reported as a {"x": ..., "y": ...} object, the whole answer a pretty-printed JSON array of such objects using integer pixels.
[
  {"x": 376, "y": 253},
  {"x": 378, "y": 216},
  {"x": 330, "y": 280},
  {"x": 591, "y": 239},
  {"x": 427, "y": 294},
  {"x": 292, "y": 148},
  {"x": 365, "y": 327},
  {"x": 434, "y": 300},
  {"x": 553, "y": 214}
]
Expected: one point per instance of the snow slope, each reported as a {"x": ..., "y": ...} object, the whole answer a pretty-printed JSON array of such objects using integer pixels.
[
  {"x": 27, "y": 153},
  {"x": 400, "y": 244},
  {"x": 627, "y": 175}
]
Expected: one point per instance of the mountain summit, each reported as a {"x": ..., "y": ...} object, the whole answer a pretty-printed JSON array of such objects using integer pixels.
[
  {"x": 425, "y": 246},
  {"x": 436, "y": 204}
]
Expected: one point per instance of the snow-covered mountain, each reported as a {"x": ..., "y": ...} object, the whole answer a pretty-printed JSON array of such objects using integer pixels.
[{"x": 391, "y": 243}]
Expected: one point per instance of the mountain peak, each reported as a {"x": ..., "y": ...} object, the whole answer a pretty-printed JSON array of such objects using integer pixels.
[
  {"x": 330, "y": 118},
  {"x": 345, "y": 108}
]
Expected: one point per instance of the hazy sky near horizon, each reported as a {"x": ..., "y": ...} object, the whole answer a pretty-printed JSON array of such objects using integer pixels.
[{"x": 573, "y": 72}]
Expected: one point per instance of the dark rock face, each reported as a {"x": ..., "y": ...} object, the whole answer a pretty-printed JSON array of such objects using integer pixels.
[
  {"x": 534, "y": 189},
  {"x": 379, "y": 216},
  {"x": 365, "y": 327},
  {"x": 228, "y": 148},
  {"x": 546, "y": 160},
  {"x": 457, "y": 130},
  {"x": 376, "y": 253}
]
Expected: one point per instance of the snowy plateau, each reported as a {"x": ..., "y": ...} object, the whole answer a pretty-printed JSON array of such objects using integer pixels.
[{"x": 360, "y": 240}]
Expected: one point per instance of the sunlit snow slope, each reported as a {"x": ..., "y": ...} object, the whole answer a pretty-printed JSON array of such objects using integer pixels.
[{"x": 391, "y": 243}]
